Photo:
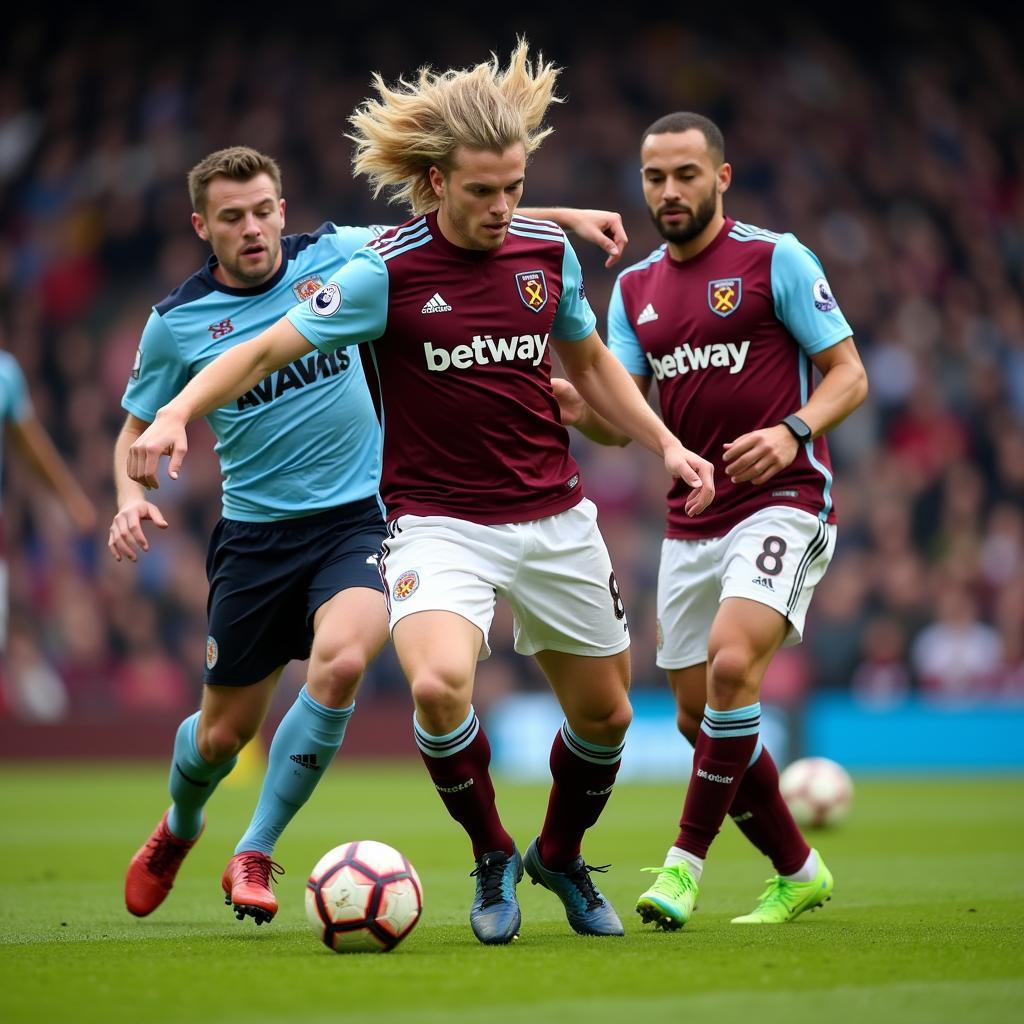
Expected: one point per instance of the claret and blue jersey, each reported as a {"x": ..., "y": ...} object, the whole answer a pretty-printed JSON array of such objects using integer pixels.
[
  {"x": 728, "y": 336},
  {"x": 306, "y": 438},
  {"x": 461, "y": 361}
]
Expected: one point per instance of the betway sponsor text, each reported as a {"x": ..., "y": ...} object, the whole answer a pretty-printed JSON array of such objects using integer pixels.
[
  {"x": 685, "y": 358},
  {"x": 485, "y": 349}
]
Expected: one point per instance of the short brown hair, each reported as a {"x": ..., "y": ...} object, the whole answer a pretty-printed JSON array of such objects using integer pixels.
[{"x": 239, "y": 163}]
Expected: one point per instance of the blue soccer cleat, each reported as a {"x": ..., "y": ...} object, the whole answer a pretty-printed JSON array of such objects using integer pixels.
[
  {"x": 494, "y": 915},
  {"x": 588, "y": 911}
]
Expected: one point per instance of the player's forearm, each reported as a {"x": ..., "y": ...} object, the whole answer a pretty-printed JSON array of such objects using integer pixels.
[
  {"x": 236, "y": 371},
  {"x": 841, "y": 390},
  {"x": 126, "y": 488},
  {"x": 563, "y": 216},
  {"x": 612, "y": 395},
  {"x": 594, "y": 426},
  {"x": 36, "y": 448}
]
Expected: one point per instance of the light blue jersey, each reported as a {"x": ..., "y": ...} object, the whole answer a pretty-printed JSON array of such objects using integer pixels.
[
  {"x": 15, "y": 405},
  {"x": 307, "y": 437}
]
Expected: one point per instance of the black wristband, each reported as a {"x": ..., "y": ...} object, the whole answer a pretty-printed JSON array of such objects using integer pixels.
[{"x": 798, "y": 428}]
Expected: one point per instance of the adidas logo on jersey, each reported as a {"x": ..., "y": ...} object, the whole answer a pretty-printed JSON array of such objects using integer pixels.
[
  {"x": 647, "y": 315},
  {"x": 435, "y": 304}
]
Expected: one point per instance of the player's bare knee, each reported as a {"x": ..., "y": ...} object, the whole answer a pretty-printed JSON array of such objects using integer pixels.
[
  {"x": 333, "y": 681},
  {"x": 221, "y": 740},
  {"x": 731, "y": 676},
  {"x": 439, "y": 702},
  {"x": 687, "y": 723},
  {"x": 607, "y": 727}
]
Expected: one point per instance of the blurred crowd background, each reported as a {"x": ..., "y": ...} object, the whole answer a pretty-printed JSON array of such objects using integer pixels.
[{"x": 893, "y": 148}]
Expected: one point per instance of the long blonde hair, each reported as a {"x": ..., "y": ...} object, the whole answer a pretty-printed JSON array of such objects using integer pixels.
[{"x": 418, "y": 125}]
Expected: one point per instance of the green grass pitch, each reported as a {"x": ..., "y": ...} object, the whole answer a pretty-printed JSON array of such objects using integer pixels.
[{"x": 925, "y": 925}]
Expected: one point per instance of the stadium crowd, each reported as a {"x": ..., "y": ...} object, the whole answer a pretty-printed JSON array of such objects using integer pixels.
[{"x": 901, "y": 166}]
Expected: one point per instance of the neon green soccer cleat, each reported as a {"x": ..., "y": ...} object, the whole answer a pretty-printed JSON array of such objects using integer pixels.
[
  {"x": 783, "y": 901},
  {"x": 671, "y": 900}
]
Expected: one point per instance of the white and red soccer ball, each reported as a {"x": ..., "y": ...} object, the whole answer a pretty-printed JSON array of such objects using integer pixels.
[
  {"x": 363, "y": 897},
  {"x": 818, "y": 791}
]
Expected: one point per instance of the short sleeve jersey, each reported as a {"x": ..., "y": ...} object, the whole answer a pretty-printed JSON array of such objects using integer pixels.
[
  {"x": 728, "y": 335},
  {"x": 307, "y": 437},
  {"x": 15, "y": 405},
  {"x": 460, "y": 349}
]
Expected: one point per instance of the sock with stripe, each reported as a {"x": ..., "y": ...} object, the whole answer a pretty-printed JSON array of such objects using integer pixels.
[
  {"x": 303, "y": 747},
  {"x": 458, "y": 763},
  {"x": 582, "y": 775},
  {"x": 725, "y": 744},
  {"x": 192, "y": 781},
  {"x": 763, "y": 817}
]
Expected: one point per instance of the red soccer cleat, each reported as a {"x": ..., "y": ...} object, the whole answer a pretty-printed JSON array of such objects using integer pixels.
[
  {"x": 246, "y": 885},
  {"x": 153, "y": 869}
]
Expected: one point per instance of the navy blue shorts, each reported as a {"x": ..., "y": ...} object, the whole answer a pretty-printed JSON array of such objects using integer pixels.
[{"x": 268, "y": 579}]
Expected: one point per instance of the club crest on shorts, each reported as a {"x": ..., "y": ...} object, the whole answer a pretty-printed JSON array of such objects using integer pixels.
[
  {"x": 212, "y": 652},
  {"x": 533, "y": 289},
  {"x": 307, "y": 287},
  {"x": 406, "y": 585},
  {"x": 724, "y": 295}
]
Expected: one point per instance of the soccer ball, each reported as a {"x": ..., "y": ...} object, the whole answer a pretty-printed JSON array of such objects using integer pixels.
[
  {"x": 363, "y": 897},
  {"x": 818, "y": 791}
]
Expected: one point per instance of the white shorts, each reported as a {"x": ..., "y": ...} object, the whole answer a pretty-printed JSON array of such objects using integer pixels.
[
  {"x": 555, "y": 573},
  {"x": 775, "y": 557}
]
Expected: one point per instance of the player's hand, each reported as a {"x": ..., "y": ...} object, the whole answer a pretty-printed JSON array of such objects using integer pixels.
[
  {"x": 126, "y": 532},
  {"x": 756, "y": 457},
  {"x": 570, "y": 404},
  {"x": 164, "y": 436},
  {"x": 604, "y": 229},
  {"x": 695, "y": 471}
]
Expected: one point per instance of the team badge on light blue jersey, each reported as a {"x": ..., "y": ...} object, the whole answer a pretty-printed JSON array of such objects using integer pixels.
[
  {"x": 307, "y": 287},
  {"x": 724, "y": 295},
  {"x": 533, "y": 289}
]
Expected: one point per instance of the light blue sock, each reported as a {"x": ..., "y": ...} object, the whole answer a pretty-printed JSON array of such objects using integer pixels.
[
  {"x": 192, "y": 781},
  {"x": 303, "y": 746}
]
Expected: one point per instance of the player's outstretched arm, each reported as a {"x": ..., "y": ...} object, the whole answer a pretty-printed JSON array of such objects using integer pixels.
[
  {"x": 602, "y": 228},
  {"x": 126, "y": 537},
  {"x": 231, "y": 374},
  {"x": 757, "y": 456},
  {"x": 606, "y": 386},
  {"x": 36, "y": 448}
]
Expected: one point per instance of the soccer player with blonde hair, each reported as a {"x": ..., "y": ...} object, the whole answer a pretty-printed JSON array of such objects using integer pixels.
[{"x": 460, "y": 307}]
